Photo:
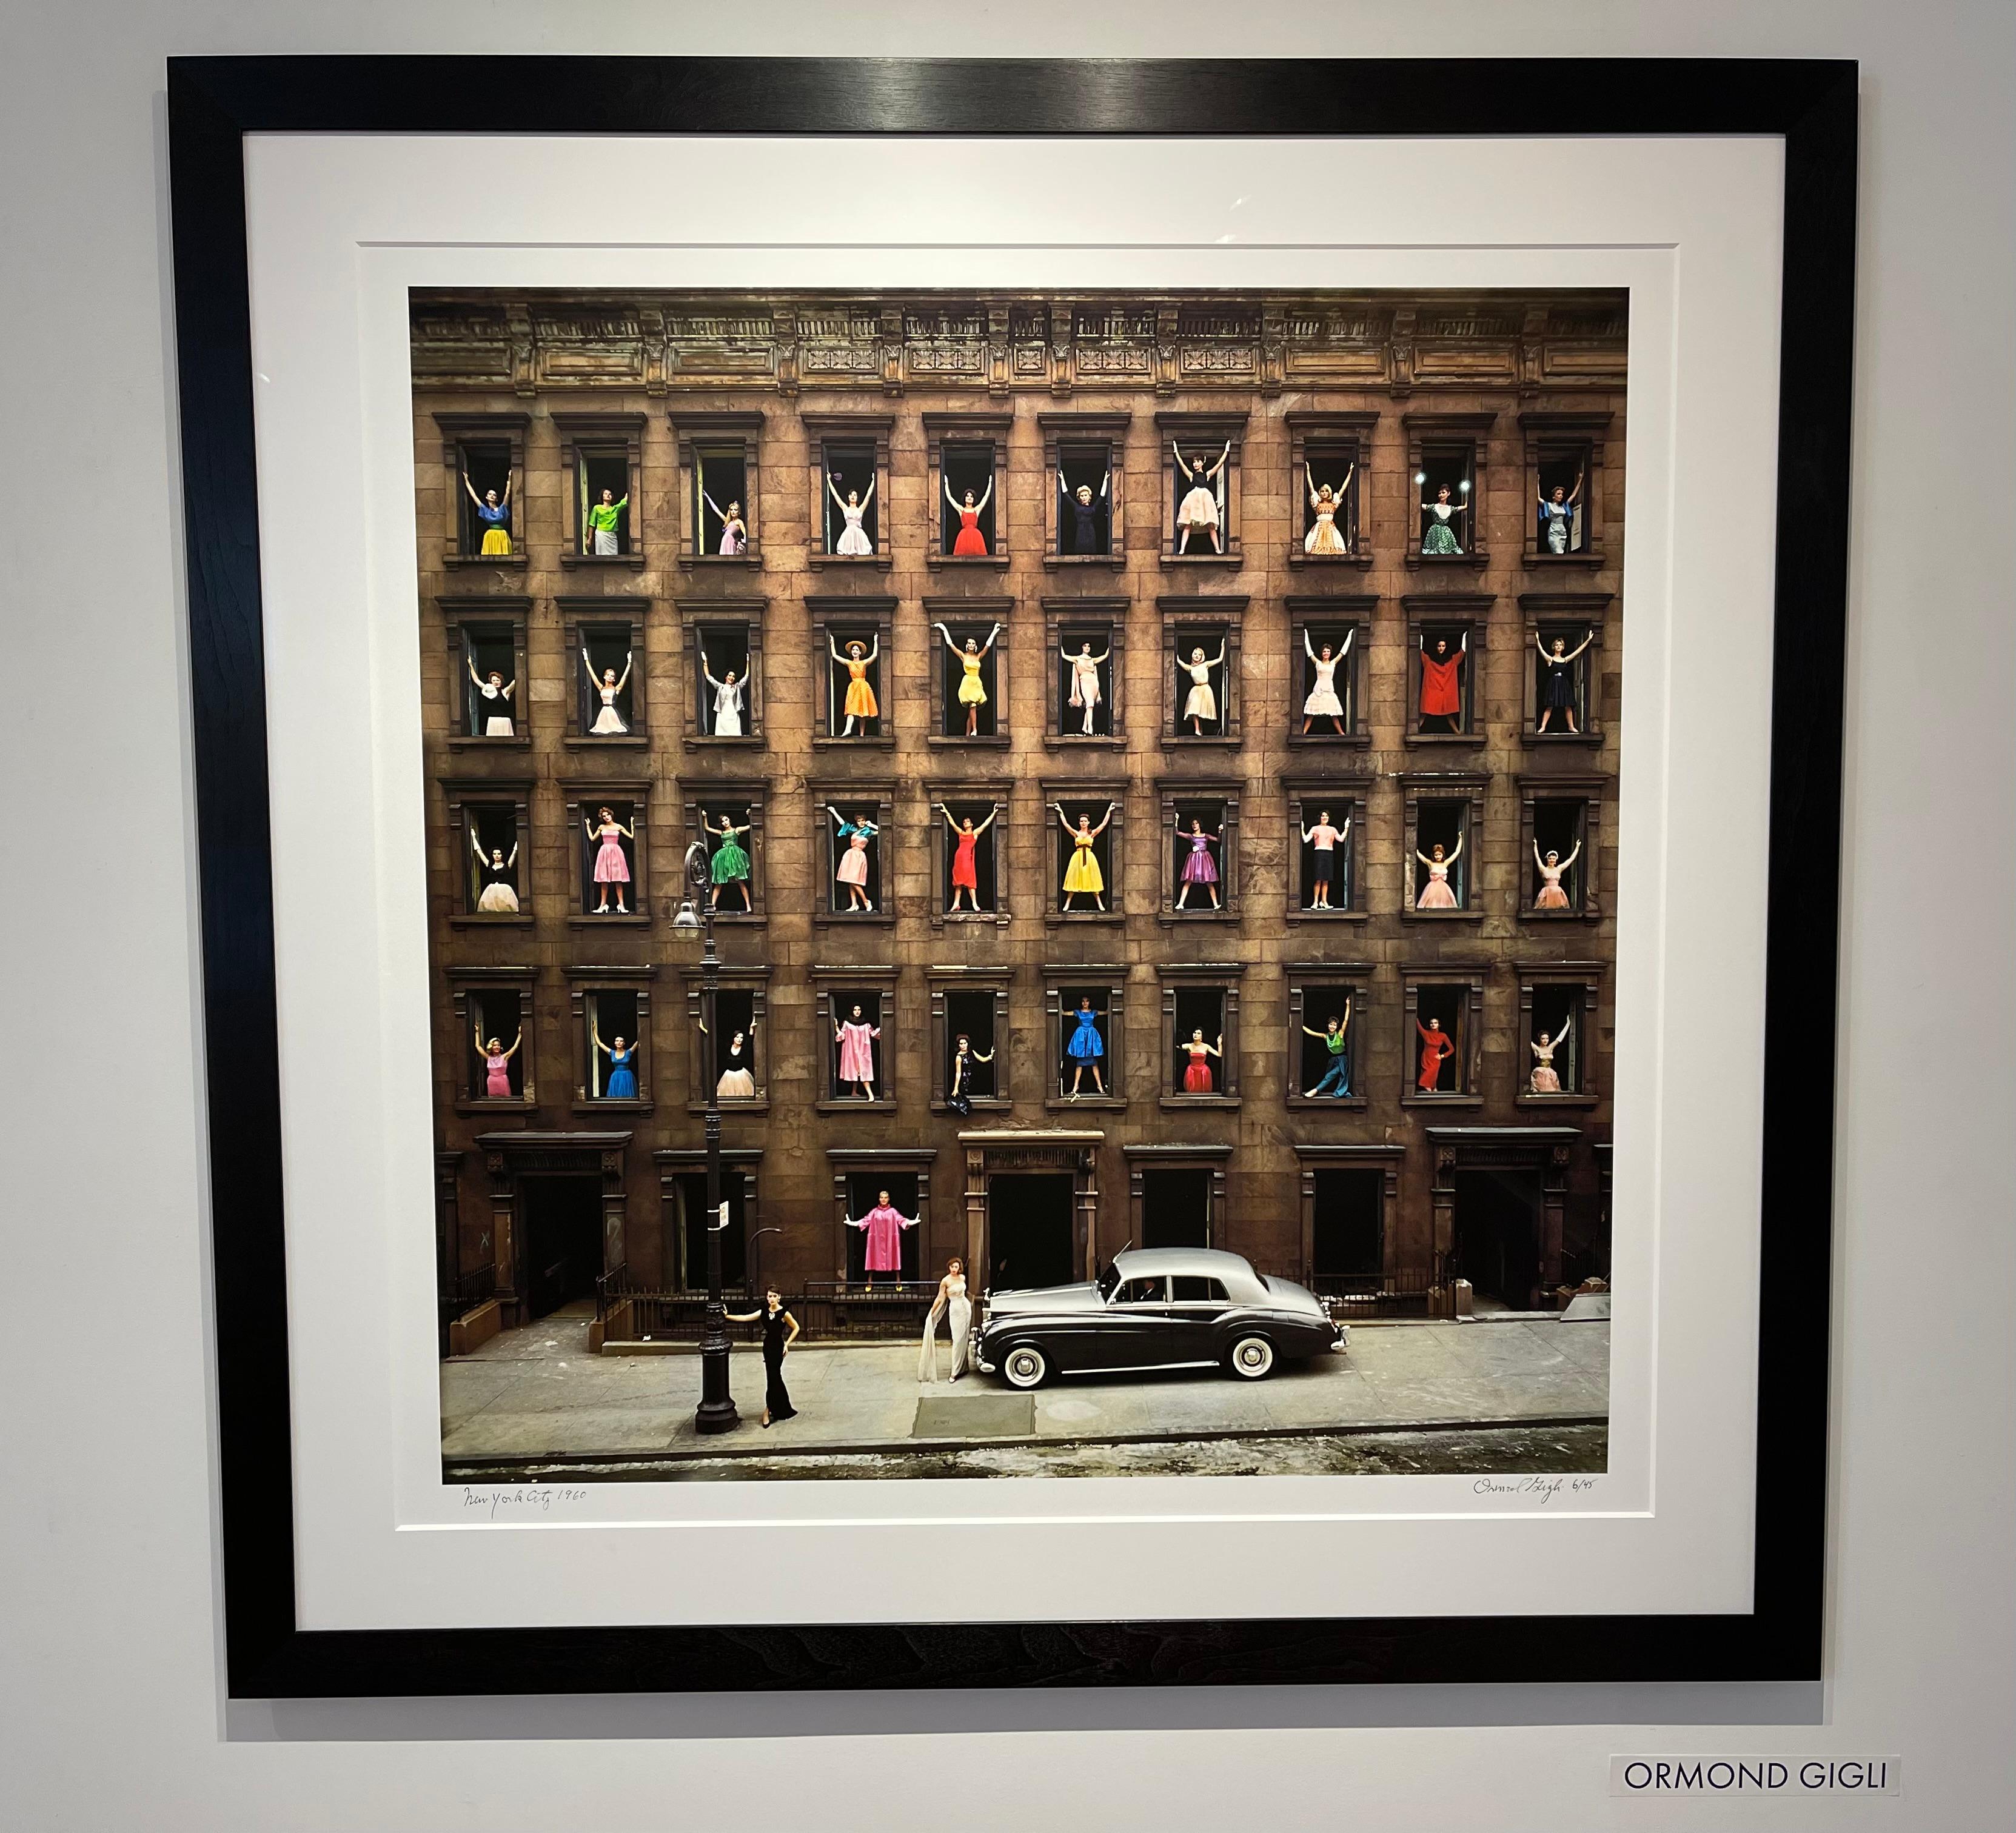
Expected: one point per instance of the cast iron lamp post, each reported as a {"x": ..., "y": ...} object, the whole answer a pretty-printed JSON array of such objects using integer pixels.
[{"x": 716, "y": 1412}]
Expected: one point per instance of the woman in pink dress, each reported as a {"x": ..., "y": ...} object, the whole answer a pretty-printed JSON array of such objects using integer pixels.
[
  {"x": 1546, "y": 1079},
  {"x": 611, "y": 866},
  {"x": 884, "y": 1225},
  {"x": 497, "y": 1066},
  {"x": 855, "y": 1038},
  {"x": 1435, "y": 894},
  {"x": 1553, "y": 868},
  {"x": 851, "y": 869},
  {"x": 1197, "y": 1077}
]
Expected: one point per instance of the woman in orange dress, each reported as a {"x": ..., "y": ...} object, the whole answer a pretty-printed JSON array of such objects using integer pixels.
[
  {"x": 860, "y": 702},
  {"x": 971, "y": 544},
  {"x": 965, "y": 873}
]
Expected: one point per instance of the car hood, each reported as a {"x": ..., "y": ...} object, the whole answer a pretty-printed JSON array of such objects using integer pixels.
[{"x": 1046, "y": 1299}]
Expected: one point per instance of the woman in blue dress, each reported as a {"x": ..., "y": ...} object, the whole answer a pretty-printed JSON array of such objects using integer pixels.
[
  {"x": 622, "y": 1083},
  {"x": 494, "y": 513},
  {"x": 1085, "y": 1047}
]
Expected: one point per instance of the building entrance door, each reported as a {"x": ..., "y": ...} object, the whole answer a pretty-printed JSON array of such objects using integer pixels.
[
  {"x": 1499, "y": 1215},
  {"x": 563, "y": 1223},
  {"x": 1029, "y": 1217}
]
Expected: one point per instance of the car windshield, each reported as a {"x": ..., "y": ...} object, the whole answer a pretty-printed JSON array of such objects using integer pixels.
[{"x": 1108, "y": 1278}]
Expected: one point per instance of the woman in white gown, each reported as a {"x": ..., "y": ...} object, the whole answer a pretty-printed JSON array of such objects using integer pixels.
[
  {"x": 854, "y": 541},
  {"x": 608, "y": 722},
  {"x": 1202, "y": 702},
  {"x": 1322, "y": 702},
  {"x": 1085, "y": 681},
  {"x": 1201, "y": 509},
  {"x": 952, "y": 1302},
  {"x": 1324, "y": 539},
  {"x": 727, "y": 701}
]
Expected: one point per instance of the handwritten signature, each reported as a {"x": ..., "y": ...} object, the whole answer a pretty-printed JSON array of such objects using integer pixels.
[{"x": 1546, "y": 1488}]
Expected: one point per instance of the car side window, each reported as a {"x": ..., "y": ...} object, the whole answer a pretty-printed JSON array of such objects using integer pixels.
[
  {"x": 1194, "y": 1289},
  {"x": 1139, "y": 1292}
]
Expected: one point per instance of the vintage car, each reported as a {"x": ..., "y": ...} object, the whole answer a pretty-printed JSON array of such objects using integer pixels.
[{"x": 1154, "y": 1308}]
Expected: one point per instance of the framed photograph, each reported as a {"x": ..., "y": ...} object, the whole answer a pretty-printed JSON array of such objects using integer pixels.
[{"x": 688, "y": 1214}]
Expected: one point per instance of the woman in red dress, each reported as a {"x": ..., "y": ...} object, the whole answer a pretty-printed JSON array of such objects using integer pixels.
[
  {"x": 1437, "y": 1048},
  {"x": 1196, "y": 1077},
  {"x": 971, "y": 544},
  {"x": 965, "y": 837},
  {"x": 1442, "y": 688}
]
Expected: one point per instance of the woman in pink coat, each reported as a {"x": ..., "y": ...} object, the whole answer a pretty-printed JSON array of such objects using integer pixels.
[{"x": 884, "y": 1225}]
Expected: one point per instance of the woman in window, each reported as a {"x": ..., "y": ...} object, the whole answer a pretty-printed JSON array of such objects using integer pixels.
[
  {"x": 737, "y": 1079},
  {"x": 860, "y": 702},
  {"x": 1085, "y": 1047},
  {"x": 851, "y": 869},
  {"x": 608, "y": 723},
  {"x": 727, "y": 694},
  {"x": 854, "y": 544},
  {"x": 970, "y": 545},
  {"x": 1553, "y": 868},
  {"x": 498, "y": 872},
  {"x": 1199, "y": 868},
  {"x": 1082, "y": 877},
  {"x": 1323, "y": 701},
  {"x": 965, "y": 840},
  {"x": 1202, "y": 702},
  {"x": 1202, "y": 508},
  {"x": 730, "y": 863},
  {"x": 972, "y": 691},
  {"x": 965, "y": 1060},
  {"x": 622, "y": 1083},
  {"x": 497, "y": 1064},
  {"x": 1084, "y": 510},
  {"x": 1324, "y": 840},
  {"x": 884, "y": 1225},
  {"x": 1085, "y": 693},
  {"x": 1442, "y": 686},
  {"x": 1197, "y": 1075},
  {"x": 734, "y": 530},
  {"x": 780, "y": 1331},
  {"x": 1435, "y": 894},
  {"x": 1558, "y": 507},
  {"x": 493, "y": 704},
  {"x": 604, "y": 519},
  {"x": 1334, "y": 1037},
  {"x": 1557, "y": 678},
  {"x": 1323, "y": 540},
  {"x": 1437, "y": 536},
  {"x": 856, "y": 1039},
  {"x": 1437, "y": 1048},
  {"x": 953, "y": 1303},
  {"x": 495, "y": 514},
  {"x": 1545, "y": 1081},
  {"x": 606, "y": 834}
]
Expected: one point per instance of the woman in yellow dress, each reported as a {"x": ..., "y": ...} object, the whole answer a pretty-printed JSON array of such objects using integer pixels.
[
  {"x": 972, "y": 693},
  {"x": 1081, "y": 875},
  {"x": 860, "y": 704}
]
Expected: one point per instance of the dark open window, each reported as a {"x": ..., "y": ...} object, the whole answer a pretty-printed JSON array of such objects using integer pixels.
[
  {"x": 1436, "y": 646},
  {"x": 1199, "y": 875},
  {"x": 1348, "y": 1235},
  {"x": 1080, "y": 714},
  {"x": 735, "y": 1014},
  {"x": 500, "y": 1013},
  {"x": 1560, "y": 691},
  {"x": 487, "y": 465},
  {"x": 735, "y": 892},
  {"x": 612, "y": 1014},
  {"x": 490, "y": 656},
  {"x": 969, "y": 469},
  {"x": 1202, "y": 681},
  {"x": 720, "y": 496},
  {"x": 1558, "y": 828},
  {"x": 1329, "y": 462},
  {"x": 850, "y": 471},
  {"x": 859, "y": 643},
  {"x": 985, "y": 891},
  {"x": 1175, "y": 1207},
  {"x": 1085, "y": 521},
  {"x": 1093, "y": 811},
  {"x": 693, "y": 1220},
  {"x": 1316, "y": 1062},
  {"x": 721, "y": 649},
  {"x": 1443, "y": 824},
  {"x": 610, "y": 661},
  {"x": 1448, "y": 466},
  {"x": 1563, "y": 466},
  {"x": 1198, "y": 1009},
  {"x": 856, "y": 836},
  {"x": 970, "y": 1012},
  {"x": 1310, "y": 712},
  {"x": 1449, "y": 1007},
  {"x": 601, "y": 471},
  {"x": 952, "y": 677},
  {"x": 494, "y": 858},
  {"x": 1339, "y": 888},
  {"x": 603, "y": 882},
  {"x": 1554, "y": 1006},
  {"x": 852, "y": 1006},
  {"x": 1084, "y": 1053},
  {"x": 863, "y": 1190}
]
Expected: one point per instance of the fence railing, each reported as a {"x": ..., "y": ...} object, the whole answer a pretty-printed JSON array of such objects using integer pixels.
[
  {"x": 1352, "y": 1296},
  {"x": 459, "y": 1296},
  {"x": 827, "y": 1311}
]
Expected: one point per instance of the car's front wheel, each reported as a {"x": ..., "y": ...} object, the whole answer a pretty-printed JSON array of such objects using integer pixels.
[
  {"x": 1251, "y": 1358},
  {"x": 1025, "y": 1367}
]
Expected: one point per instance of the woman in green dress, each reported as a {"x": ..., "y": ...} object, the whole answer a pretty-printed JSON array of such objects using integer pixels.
[
  {"x": 1437, "y": 534},
  {"x": 730, "y": 865}
]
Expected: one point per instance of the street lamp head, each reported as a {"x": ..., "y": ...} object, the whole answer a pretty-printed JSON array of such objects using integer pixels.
[
  {"x": 687, "y": 918},
  {"x": 699, "y": 870}
]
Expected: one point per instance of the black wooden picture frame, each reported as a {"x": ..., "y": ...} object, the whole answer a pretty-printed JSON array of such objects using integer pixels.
[{"x": 213, "y": 102}]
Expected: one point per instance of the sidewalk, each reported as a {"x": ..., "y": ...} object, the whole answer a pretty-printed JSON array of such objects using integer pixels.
[{"x": 538, "y": 1393}]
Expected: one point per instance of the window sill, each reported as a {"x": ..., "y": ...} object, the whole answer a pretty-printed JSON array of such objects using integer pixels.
[
  {"x": 633, "y": 919},
  {"x": 1539, "y": 741},
  {"x": 1174, "y": 918},
  {"x": 1230, "y": 563},
  {"x": 1475, "y": 558},
  {"x": 517, "y": 1104},
  {"x": 749, "y": 560},
  {"x": 1412, "y": 914},
  {"x": 1339, "y": 915},
  {"x": 1110, "y": 1103},
  {"x": 1317, "y": 1103},
  {"x": 521, "y": 919},
  {"x": 1530, "y": 1101},
  {"x": 1299, "y": 557},
  {"x": 836, "y": 1105},
  {"x": 1538, "y": 561},
  {"x": 614, "y": 1107},
  {"x": 760, "y": 1105},
  {"x": 1342, "y": 740},
  {"x": 991, "y": 1103},
  {"x": 1458, "y": 740},
  {"x": 826, "y": 741},
  {"x": 1088, "y": 916},
  {"x": 1453, "y": 1099},
  {"x": 1000, "y": 918},
  {"x": 874, "y": 563},
  {"x": 956, "y": 741},
  {"x": 858, "y": 919},
  {"x": 979, "y": 563},
  {"x": 1063, "y": 562},
  {"x": 748, "y": 742},
  {"x": 1169, "y": 1103},
  {"x": 458, "y": 560},
  {"x": 738, "y": 919},
  {"x": 1208, "y": 741},
  {"x": 1081, "y": 741},
  {"x": 473, "y": 742},
  {"x": 634, "y": 560},
  {"x": 1587, "y": 915},
  {"x": 632, "y": 740}
]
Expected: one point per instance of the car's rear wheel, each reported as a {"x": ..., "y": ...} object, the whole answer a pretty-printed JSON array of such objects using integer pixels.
[
  {"x": 1025, "y": 1367},
  {"x": 1251, "y": 1358}
]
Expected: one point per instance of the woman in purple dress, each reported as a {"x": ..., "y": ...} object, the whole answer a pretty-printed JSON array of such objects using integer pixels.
[{"x": 1200, "y": 868}]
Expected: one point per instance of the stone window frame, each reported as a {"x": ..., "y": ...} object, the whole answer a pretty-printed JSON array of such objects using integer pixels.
[
  {"x": 1356, "y": 612},
  {"x": 1143, "y": 1156},
  {"x": 848, "y": 795},
  {"x": 1435, "y": 429},
  {"x": 1354, "y": 979},
  {"x": 829, "y": 981},
  {"x": 1586, "y": 906},
  {"x": 969, "y": 616},
  {"x": 674, "y": 1162},
  {"x": 463, "y": 983},
  {"x": 1059, "y": 977},
  {"x": 1171, "y": 794},
  {"x": 1062, "y": 614},
  {"x": 696, "y": 793},
  {"x": 1211, "y": 430},
  {"x": 695, "y": 433},
  {"x": 583, "y": 982},
  {"x": 956, "y": 792},
  {"x": 1307, "y": 796},
  {"x": 698, "y": 615},
  {"x": 1191, "y": 611},
  {"x": 464, "y": 795},
  {"x": 942, "y": 980},
  {"x": 1587, "y": 977},
  {"x": 1059, "y": 430},
  {"x": 459, "y": 615},
  {"x": 459, "y": 431},
  {"x": 820, "y": 430},
  {"x": 1087, "y": 795},
  {"x": 1444, "y": 611},
  {"x": 1564, "y": 613},
  {"x": 1225, "y": 977},
  {"x": 583, "y": 434},
  {"x": 610, "y": 607},
  {"x": 1357, "y": 429},
  {"x": 831, "y": 614},
  {"x": 582, "y": 798},
  {"x": 1587, "y": 432},
  {"x": 1468, "y": 787},
  {"x": 844, "y": 1163},
  {"x": 1468, "y": 976},
  {"x": 738, "y": 977},
  {"x": 976, "y": 426},
  {"x": 1391, "y": 1161}
]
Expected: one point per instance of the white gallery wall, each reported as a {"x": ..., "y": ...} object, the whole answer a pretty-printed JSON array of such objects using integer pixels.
[{"x": 111, "y": 1707}]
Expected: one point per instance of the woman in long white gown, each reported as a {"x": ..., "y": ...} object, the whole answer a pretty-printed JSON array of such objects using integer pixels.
[
  {"x": 608, "y": 723},
  {"x": 1084, "y": 694},
  {"x": 951, "y": 1302},
  {"x": 727, "y": 701},
  {"x": 854, "y": 541}
]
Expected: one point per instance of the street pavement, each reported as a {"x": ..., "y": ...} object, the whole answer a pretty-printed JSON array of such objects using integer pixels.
[{"x": 537, "y": 1394}]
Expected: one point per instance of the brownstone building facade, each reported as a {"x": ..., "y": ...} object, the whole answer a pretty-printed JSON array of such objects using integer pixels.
[{"x": 621, "y": 433}]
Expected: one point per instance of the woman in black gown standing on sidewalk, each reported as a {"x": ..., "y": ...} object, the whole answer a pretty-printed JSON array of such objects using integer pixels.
[{"x": 780, "y": 1331}]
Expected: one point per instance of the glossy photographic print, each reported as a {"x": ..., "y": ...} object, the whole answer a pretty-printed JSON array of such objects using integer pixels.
[{"x": 1021, "y": 885}]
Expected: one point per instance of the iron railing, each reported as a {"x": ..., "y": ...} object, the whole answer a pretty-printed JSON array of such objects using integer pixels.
[
  {"x": 460, "y": 1295},
  {"x": 1358, "y": 1296},
  {"x": 827, "y": 1310}
]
